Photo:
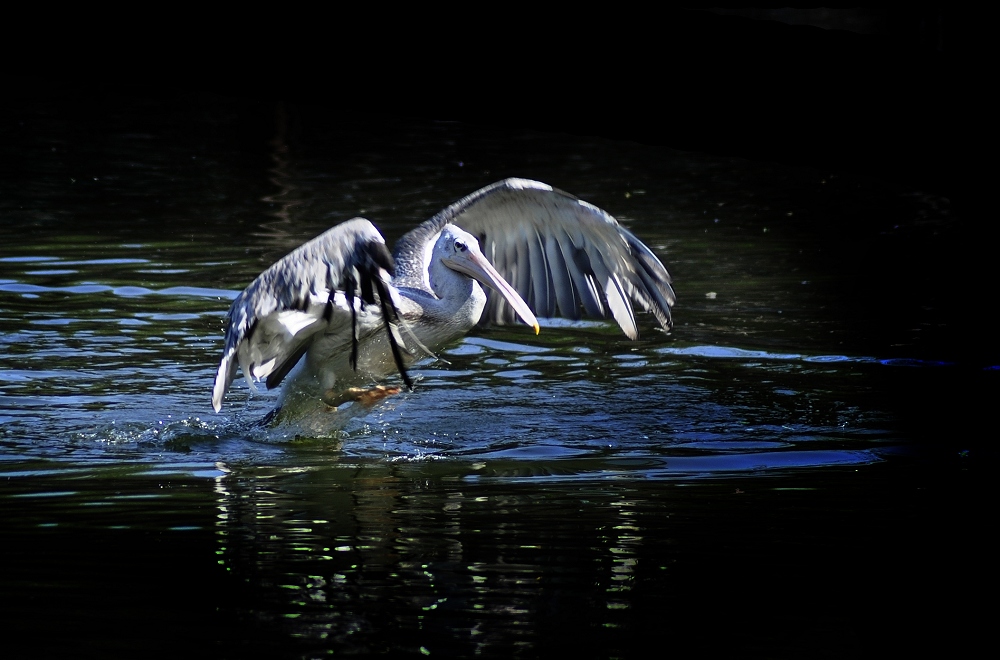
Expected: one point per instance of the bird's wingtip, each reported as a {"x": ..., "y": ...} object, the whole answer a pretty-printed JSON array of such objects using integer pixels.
[
  {"x": 217, "y": 397},
  {"x": 223, "y": 378}
]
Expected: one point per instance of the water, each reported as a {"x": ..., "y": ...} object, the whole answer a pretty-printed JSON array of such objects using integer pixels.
[{"x": 761, "y": 480}]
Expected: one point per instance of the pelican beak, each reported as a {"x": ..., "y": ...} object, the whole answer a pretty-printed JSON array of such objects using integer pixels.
[{"x": 474, "y": 263}]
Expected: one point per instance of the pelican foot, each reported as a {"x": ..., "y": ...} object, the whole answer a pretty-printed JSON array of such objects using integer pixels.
[{"x": 366, "y": 397}]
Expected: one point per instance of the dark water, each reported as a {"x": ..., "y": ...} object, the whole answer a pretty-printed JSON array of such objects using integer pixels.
[{"x": 799, "y": 469}]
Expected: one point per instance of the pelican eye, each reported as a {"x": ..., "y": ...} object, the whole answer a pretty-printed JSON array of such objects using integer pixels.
[{"x": 461, "y": 246}]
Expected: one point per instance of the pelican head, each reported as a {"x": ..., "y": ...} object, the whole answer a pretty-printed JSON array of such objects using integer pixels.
[{"x": 459, "y": 250}]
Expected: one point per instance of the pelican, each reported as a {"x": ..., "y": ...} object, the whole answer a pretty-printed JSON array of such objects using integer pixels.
[{"x": 340, "y": 314}]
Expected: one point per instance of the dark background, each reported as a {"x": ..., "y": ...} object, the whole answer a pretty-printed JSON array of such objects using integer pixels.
[{"x": 897, "y": 94}]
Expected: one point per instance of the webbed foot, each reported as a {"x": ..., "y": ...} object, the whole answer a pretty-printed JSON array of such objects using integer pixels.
[{"x": 365, "y": 396}]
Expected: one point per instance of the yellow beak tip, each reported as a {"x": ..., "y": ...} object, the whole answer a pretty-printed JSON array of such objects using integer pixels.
[{"x": 537, "y": 329}]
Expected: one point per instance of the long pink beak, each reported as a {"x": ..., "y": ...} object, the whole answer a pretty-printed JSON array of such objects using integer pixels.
[{"x": 474, "y": 263}]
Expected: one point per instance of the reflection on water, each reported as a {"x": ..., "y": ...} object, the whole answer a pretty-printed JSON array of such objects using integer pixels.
[
  {"x": 719, "y": 487},
  {"x": 448, "y": 571},
  {"x": 449, "y": 566}
]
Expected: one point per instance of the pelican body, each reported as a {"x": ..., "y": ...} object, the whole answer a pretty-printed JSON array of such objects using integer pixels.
[{"x": 340, "y": 313}]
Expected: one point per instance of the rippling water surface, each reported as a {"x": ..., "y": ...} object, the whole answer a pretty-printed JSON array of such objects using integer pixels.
[{"x": 727, "y": 485}]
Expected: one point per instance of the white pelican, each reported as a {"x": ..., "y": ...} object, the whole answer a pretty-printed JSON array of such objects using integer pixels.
[{"x": 358, "y": 314}]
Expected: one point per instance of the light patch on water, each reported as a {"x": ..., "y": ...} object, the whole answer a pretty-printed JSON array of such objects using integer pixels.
[
  {"x": 504, "y": 346},
  {"x": 578, "y": 324},
  {"x": 732, "y": 353},
  {"x": 86, "y": 288},
  {"x": 58, "y": 493},
  {"x": 518, "y": 373},
  {"x": 27, "y": 260},
  {"x": 674, "y": 467}
]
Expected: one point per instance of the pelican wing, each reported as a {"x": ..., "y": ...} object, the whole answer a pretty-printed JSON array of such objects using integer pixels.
[
  {"x": 565, "y": 257},
  {"x": 320, "y": 286}
]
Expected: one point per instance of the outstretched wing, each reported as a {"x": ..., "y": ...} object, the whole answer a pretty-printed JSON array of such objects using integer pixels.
[
  {"x": 562, "y": 255},
  {"x": 321, "y": 284}
]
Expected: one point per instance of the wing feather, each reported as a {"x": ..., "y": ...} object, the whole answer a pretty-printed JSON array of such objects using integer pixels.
[
  {"x": 582, "y": 273},
  {"x": 561, "y": 254},
  {"x": 562, "y": 281},
  {"x": 540, "y": 302}
]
